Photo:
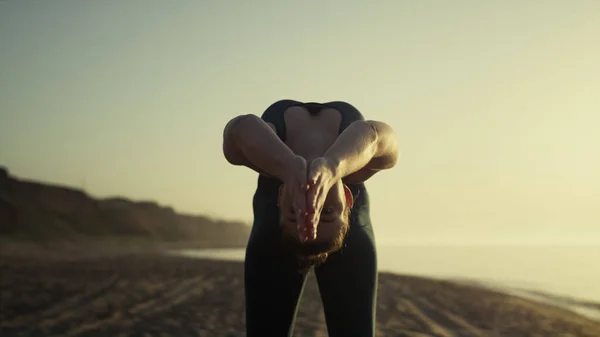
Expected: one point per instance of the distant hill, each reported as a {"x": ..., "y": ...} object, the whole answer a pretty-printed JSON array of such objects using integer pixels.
[{"x": 37, "y": 211}]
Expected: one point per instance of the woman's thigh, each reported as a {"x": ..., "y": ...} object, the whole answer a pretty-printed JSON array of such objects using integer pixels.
[
  {"x": 273, "y": 283},
  {"x": 348, "y": 285}
]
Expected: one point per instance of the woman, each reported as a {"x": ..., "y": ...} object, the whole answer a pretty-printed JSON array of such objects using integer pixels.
[{"x": 311, "y": 208}]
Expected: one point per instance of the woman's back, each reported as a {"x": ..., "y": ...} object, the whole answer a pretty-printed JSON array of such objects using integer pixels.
[{"x": 309, "y": 129}]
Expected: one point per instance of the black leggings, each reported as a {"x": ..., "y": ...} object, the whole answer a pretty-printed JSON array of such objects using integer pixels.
[{"x": 273, "y": 283}]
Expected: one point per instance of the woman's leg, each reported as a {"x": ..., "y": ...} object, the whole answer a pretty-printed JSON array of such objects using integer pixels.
[
  {"x": 348, "y": 282},
  {"x": 273, "y": 283}
]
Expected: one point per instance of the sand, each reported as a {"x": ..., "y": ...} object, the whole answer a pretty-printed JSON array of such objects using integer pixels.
[{"x": 152, "y": 294}]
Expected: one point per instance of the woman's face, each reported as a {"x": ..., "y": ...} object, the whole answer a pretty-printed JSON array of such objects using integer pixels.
[{"x": 333, "y": 222}]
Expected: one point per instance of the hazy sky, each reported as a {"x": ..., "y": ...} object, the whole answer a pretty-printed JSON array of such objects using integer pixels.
[{"x": 496, "y": 103}]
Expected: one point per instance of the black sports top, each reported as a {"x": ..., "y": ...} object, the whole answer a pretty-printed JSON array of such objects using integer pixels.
[{"x": 274, "y": 114}]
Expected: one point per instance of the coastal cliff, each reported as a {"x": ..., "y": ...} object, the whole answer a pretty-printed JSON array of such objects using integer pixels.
[{"x": 41, "y": 212}]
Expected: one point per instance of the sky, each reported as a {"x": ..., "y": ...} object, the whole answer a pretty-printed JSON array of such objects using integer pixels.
[{"x": 496, "y": 104}]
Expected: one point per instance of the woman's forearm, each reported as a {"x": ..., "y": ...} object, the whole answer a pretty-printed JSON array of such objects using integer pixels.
[
  {"x": 363, "y": 144},
  {"x": 249, "y": 141}
]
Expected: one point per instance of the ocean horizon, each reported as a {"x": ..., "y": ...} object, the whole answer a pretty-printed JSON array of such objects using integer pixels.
[{"x": 569, "y": 271}]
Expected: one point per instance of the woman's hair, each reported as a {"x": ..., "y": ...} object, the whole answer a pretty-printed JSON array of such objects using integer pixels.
[{"x": 316, "y": 252}]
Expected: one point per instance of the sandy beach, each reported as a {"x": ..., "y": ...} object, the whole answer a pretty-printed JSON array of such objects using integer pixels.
[{"x": 153, "y": 294}]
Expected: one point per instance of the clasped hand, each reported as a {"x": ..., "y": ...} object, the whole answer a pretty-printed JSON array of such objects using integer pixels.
[{"x": 308, "y": 187}]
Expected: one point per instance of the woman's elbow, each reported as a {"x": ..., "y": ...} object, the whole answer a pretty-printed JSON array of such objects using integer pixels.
[
  {"x": 387, "y": 144},
  {"x": 231, "y": 151}
]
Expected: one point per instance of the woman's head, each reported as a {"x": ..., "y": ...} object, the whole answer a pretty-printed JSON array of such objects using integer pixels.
[{"x": 331, "y": 230}]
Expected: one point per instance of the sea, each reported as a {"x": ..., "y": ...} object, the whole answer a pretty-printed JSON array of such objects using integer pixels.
[{"x": 568, "y": 271}]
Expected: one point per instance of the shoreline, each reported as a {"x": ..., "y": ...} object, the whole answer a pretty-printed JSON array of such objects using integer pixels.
[
  {"x": 154, "y": 293},
  {"x": 587, "y": 308}
]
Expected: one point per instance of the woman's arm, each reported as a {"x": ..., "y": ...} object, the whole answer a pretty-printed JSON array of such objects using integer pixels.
[
  {"x": 249, "y": 141},
  {"x": 363, "y": 149}
]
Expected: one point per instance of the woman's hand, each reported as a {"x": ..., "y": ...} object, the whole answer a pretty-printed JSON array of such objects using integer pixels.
[
  {"x": 321, "y": 177},
  {"x": 296, "y": 186}
]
